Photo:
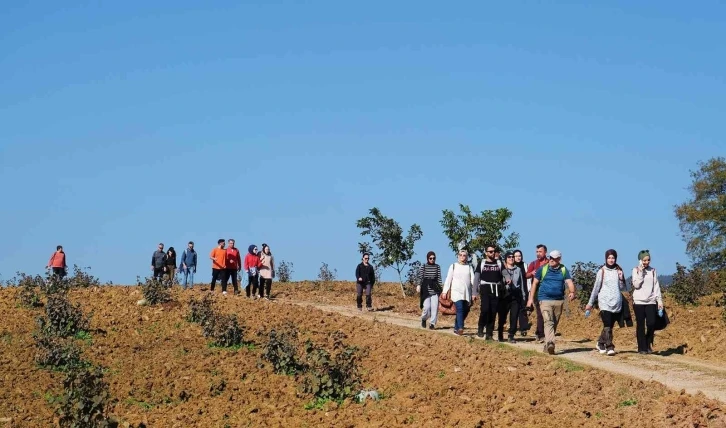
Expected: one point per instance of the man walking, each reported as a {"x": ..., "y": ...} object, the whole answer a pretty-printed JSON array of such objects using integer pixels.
[
  {"x": 158, "y": 262},
  {"x": 538, "y": 262},
  {"x": 219, "y": 261},
  {"x": 549, "y": 287},
  {"x": 188, "y": 266},
  {"x": 233, "y": 264},
  {"x": 489, "y": 284}
]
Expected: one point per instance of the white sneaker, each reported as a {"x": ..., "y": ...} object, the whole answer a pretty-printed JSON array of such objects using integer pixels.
[
  {"x": 611, "y": 352},
  {"x": 602, "y": 350},
  {"x": 224, "y": 293}
]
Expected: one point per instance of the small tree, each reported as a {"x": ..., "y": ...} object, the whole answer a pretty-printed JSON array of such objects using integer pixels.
[
  {"x": 284, "y": 271},
  {"x": 475, "y": 232},
  {"x": 327, "y": 275},
  {"x": 387, "y": 235},
  {"x": 583, "y": 275},
  {"x": 688, "y": 285}
]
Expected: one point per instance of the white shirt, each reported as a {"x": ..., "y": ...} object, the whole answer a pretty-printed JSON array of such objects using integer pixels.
[{"x": 459, "y": 280}]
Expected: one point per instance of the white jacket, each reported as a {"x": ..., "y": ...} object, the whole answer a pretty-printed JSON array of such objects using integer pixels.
[
  {"x": 646, "y": 288},
  {"x": 459, "y": 280}
]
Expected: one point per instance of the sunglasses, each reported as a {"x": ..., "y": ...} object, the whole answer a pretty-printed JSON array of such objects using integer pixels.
[
  {"x": 490, "y": 251},
  {"x": 432, "y": 258},
  {"x": 510, "y": 257}
]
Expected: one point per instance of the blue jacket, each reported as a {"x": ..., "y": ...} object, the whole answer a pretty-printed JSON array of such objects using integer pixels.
[{"x": 189, "y": 258}]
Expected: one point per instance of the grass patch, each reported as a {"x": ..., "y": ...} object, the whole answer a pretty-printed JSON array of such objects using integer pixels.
[
  {"x": 85, "y": 336},
  {"x": 569, "y": 366},
  {"x": 317, "y": 403},
  {"x": 248, "y": 346},
  {"x": 627, "y": 403}
]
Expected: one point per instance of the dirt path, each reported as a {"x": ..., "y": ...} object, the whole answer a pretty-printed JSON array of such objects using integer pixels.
[{"x": 674, "y": 371}]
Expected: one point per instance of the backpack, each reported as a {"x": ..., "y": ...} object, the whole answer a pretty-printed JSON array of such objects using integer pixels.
[{"x": 563, "y": 269}]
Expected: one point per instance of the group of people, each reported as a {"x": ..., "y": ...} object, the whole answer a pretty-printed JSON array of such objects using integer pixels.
[
  {"x": 227, "y": 264},
  {"x": 508, "y": 290}
]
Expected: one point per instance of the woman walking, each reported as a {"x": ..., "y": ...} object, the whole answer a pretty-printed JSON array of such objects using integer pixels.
[
  {"x": 429, "y": 287},
  {"x": 647, "y": 300},
  {"x": 58, "y": 263},
  {"x": 171, "y": 265},
  {"x": 609, "y": 283},
  {"x": 267, "y": 271},
  {"x": 512, "y": 303},
  {"x": 523, "y": 315},
  {"x": 457, "y": 287},
  {"x": 365, "y": 279}
]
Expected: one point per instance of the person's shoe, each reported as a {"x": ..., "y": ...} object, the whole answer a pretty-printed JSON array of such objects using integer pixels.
[
  {"x": 601, "y": 348},
  {"x": 551, "y": 348},
  {"x": 500, "y": 338},
  {"x": 489, "y": 338},
  {"x": 460, "y": 332},
  {"x": 432, "y": 327},
  {"x": 224, "y": 293},
  {"x": 267, "y": 298},
  {"x": 642, "y": 352},
  {"x": 511, "y": 339},
  {"x": 540, "y": 339},
  {"x": 423, "y": 323},
  {"x": 370, "y": 309},
  {"x": 523, "y": 333},
  {"x": 479, "y": 334},
  {"x": 611, "y": 352},
  {"x": 360, "y": 309}
]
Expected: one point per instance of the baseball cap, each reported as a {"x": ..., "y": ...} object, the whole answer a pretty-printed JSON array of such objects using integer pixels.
[{"x": 555, "y": 254}]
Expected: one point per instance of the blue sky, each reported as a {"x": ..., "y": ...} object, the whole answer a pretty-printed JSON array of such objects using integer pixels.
[{"x": 131, "y": 123}]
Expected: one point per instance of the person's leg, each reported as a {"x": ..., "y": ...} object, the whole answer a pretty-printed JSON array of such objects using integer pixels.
[
  {"x": 547, "y": 308},
  {"x": 191, "y": 277},
  {"x": 491, "y": 316},
  {"x": 522, "y": 315},
  {"x": 502, "y": 310},
  {"x": 235, "y": 284},
  {"x": 225, "y": 279},
  {"x": 606, "y": 336},
  {"x": 248, "y": 289},
  {"x": 651, "y": 312},
  {"x": 426, "y": 311},
  {"x": 460, "y": 316},
  {"x": 483, "y": 314},
  {"x": 215, "y": 276},
  {"x": 540, "y": 331},
  {"x": 359, "y": 295},
  {"x": 434, "y": 311},
  {"x": 640, "y": 327},
  {"x": 369, "y": 298},
  {"x": 515, "y": 311},
  {"x": 268, "y": 287}
]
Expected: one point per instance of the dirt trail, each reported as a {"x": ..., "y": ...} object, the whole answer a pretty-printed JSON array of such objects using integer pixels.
[{"x": 674, "y": 371}]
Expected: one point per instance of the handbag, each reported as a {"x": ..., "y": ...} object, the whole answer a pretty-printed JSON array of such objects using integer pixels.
[
  {"x": 662, "y": 322},
  {"x": 446, "y": 306}
]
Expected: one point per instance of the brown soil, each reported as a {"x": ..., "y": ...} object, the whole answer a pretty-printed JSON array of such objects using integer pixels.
[{"x": 154, "y": 358}]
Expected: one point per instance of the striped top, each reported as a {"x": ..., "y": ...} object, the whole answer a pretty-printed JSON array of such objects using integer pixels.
[{"x": 432, "y": 272}]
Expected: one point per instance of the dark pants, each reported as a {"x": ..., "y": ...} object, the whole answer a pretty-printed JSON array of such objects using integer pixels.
[
  {"x": 606, "y": 336},
  {"x": 59, "y": 272},
  {"x": 488, "y": 312},
  {"x": 217, "y": 274},
  {"x": 510, "y": 305},
  {"x": 539, "y": 333},
  {"x": 265, "y": 286},
  {"x": 462, "y": 311},
  {"x": 359, "y": 295},
  {"x": 159, "y": 273},
  {"x": 254, "y": 284},
  {"x": 230, "y": 274},
  {"x": 645, "y": 317}
]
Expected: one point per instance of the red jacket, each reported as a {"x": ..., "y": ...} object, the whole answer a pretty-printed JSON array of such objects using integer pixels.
[
  {"x": 57, "y": 260},
  {"x": 252, "y": 260},
  {"x": 234, "y": 260},
  {"x": 533, "y": 266}
]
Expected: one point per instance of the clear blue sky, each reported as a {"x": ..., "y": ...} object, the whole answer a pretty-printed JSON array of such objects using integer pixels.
[{"x": 130, "y": 123}]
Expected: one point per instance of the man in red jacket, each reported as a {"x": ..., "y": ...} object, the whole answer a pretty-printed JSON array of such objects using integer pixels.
[
  {"x": 58, "y": 262},
  {"x": 540, "y": 261},
  {"x": 232, "y": 266}
]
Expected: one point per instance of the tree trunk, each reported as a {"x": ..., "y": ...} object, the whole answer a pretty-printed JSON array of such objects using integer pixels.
[{"x": 400, "y": 279}]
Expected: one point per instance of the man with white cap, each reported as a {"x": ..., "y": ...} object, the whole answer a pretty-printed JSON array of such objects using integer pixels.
[{"x": 549, "y": 287}]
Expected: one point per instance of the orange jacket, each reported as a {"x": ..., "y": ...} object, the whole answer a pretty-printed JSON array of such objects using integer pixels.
[
  {"x": 57, "y": 260},
  {"x": 219, "y": 256}
]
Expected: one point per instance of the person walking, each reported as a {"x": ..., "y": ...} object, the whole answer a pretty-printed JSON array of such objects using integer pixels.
[
  {"x": 513, "y": 301},
  {"x": 232, "y": 266},
  {"x": 158, "y": 262},
  {"x": 429, "y": 286},
  {"x": 267, "y": 271},
  {"x": 609, "y": 283},
  {"x": 252, "y": 266},
  {"x": 489, "y": 284},
  {"x": 540, "y": 261},
  {"x": 365, "y": 280},
  {"x": 219, "y": 262},
  {"x": 57, "y": 262},
  {"x": 188, "y": 265},
  {"x": 548, "y": 287},
  {"x": 170, "y": 268},
  {"x": 523, "y": 314},
  {"x": 458, "y": 288},
  {"x": 647, "y": 299}
]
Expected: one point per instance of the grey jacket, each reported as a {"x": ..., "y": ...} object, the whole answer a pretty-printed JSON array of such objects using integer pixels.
[
  {"x": 514, "y": 275},
  {"x": 158, "y": 259}
]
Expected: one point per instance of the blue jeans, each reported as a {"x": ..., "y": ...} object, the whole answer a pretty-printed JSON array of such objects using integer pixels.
[
  {"x": 188, "y": 277},
  {"x": 462, "y": 311}
]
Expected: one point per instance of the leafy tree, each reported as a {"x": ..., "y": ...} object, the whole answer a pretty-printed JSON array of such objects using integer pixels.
[
  {"x": 393, "y": 249},
  {"x": 476, "y": 231},
  {"x": 702, "y": 219},
  {"x": 583, "y": 275}
]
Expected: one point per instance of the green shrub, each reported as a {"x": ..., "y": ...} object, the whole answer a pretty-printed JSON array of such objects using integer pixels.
[
  {"x": 688, "y": 285},
  {"x": 583, "y": 275},
  {"x": 154, "y": 292},
  {"x": 83, "y": 279},
  {"x": 85, "y": 400},
  {"x": 63, "y": 318},
  {"x": 332, "y": 376},
  {"x": 284, "y": 271},
  {"x": 57, "y": 353},
  {"x": 224, "y": 330},
  {"x": 29, "y": 296},
  {"x": 201, "y": 311},
  {"x": 281, "y": 350}
]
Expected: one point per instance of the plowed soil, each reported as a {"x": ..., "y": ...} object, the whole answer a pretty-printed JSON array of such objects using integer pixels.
[{"x": 163, "y": 373}]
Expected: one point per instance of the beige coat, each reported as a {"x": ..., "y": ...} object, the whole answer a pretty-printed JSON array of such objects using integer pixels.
[{"x": 267, "y": 265}]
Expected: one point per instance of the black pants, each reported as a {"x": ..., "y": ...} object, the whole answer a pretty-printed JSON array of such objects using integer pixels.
[
  {"x": 488, "y": 312},
  {"x": 512, "y": 306},
  {"x": 265, "y": 287},
  {"x": 59, "y": 272},
  {"x": 540, "y": 321},
  {"x": 159, "y": 273},
  {"x": 254, "y": 284},
  {"x": 608, "y": 322},
  {"x": 230, "y": 274},
  {"x": 359, "y": 288},
  {"x": 217, "y": 274},
  {"x": 645, "y": 317}
]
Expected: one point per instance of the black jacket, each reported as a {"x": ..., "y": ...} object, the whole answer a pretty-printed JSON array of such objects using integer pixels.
[{"x": 365, "y": 272}]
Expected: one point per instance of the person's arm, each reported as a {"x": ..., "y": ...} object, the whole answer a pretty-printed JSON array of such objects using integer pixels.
[
  {"x": 571, "y": 285},
  {"x": 475, "y": 280},
  {"x": 520, "y": 282},
  {"x": 656, "y": 289},
  {"x": 50, "y": 262},
  {"x": 272, "y": 264},
  {"x": 530, "y": 271},
  {"x": 194, "y": 260},
  {"x": 372, "y": 275},
  {"x": 358, "y": 277},
  {"x": 449, "y": 280},
  {"x": 239, "y": 262},
  {"x": 152, "y": 261},
  {"x": 638, "y": 277},
  {"x": 211, "y": 257},
  {"x": 535, "y": 283},
  {"x": 438, "y": 276},
  {"x": 247, "y": 263},
  {"x": 595, "y": 288}
]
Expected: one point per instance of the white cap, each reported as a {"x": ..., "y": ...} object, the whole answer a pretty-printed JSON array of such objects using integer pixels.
[{"x": 555, "y": 254}]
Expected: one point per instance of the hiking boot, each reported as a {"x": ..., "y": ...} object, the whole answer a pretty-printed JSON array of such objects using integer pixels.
[
  {"x": 601, "y": 348},
  {"x": 551, "y": 348},
  {"x": 511, "y": 339},
  {"x": 423, "y": 323}
]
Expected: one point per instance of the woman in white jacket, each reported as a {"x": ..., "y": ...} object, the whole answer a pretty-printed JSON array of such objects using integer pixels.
[
  {"x": 458, "y": 284},
  {"x": 647, "y": 300}
]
